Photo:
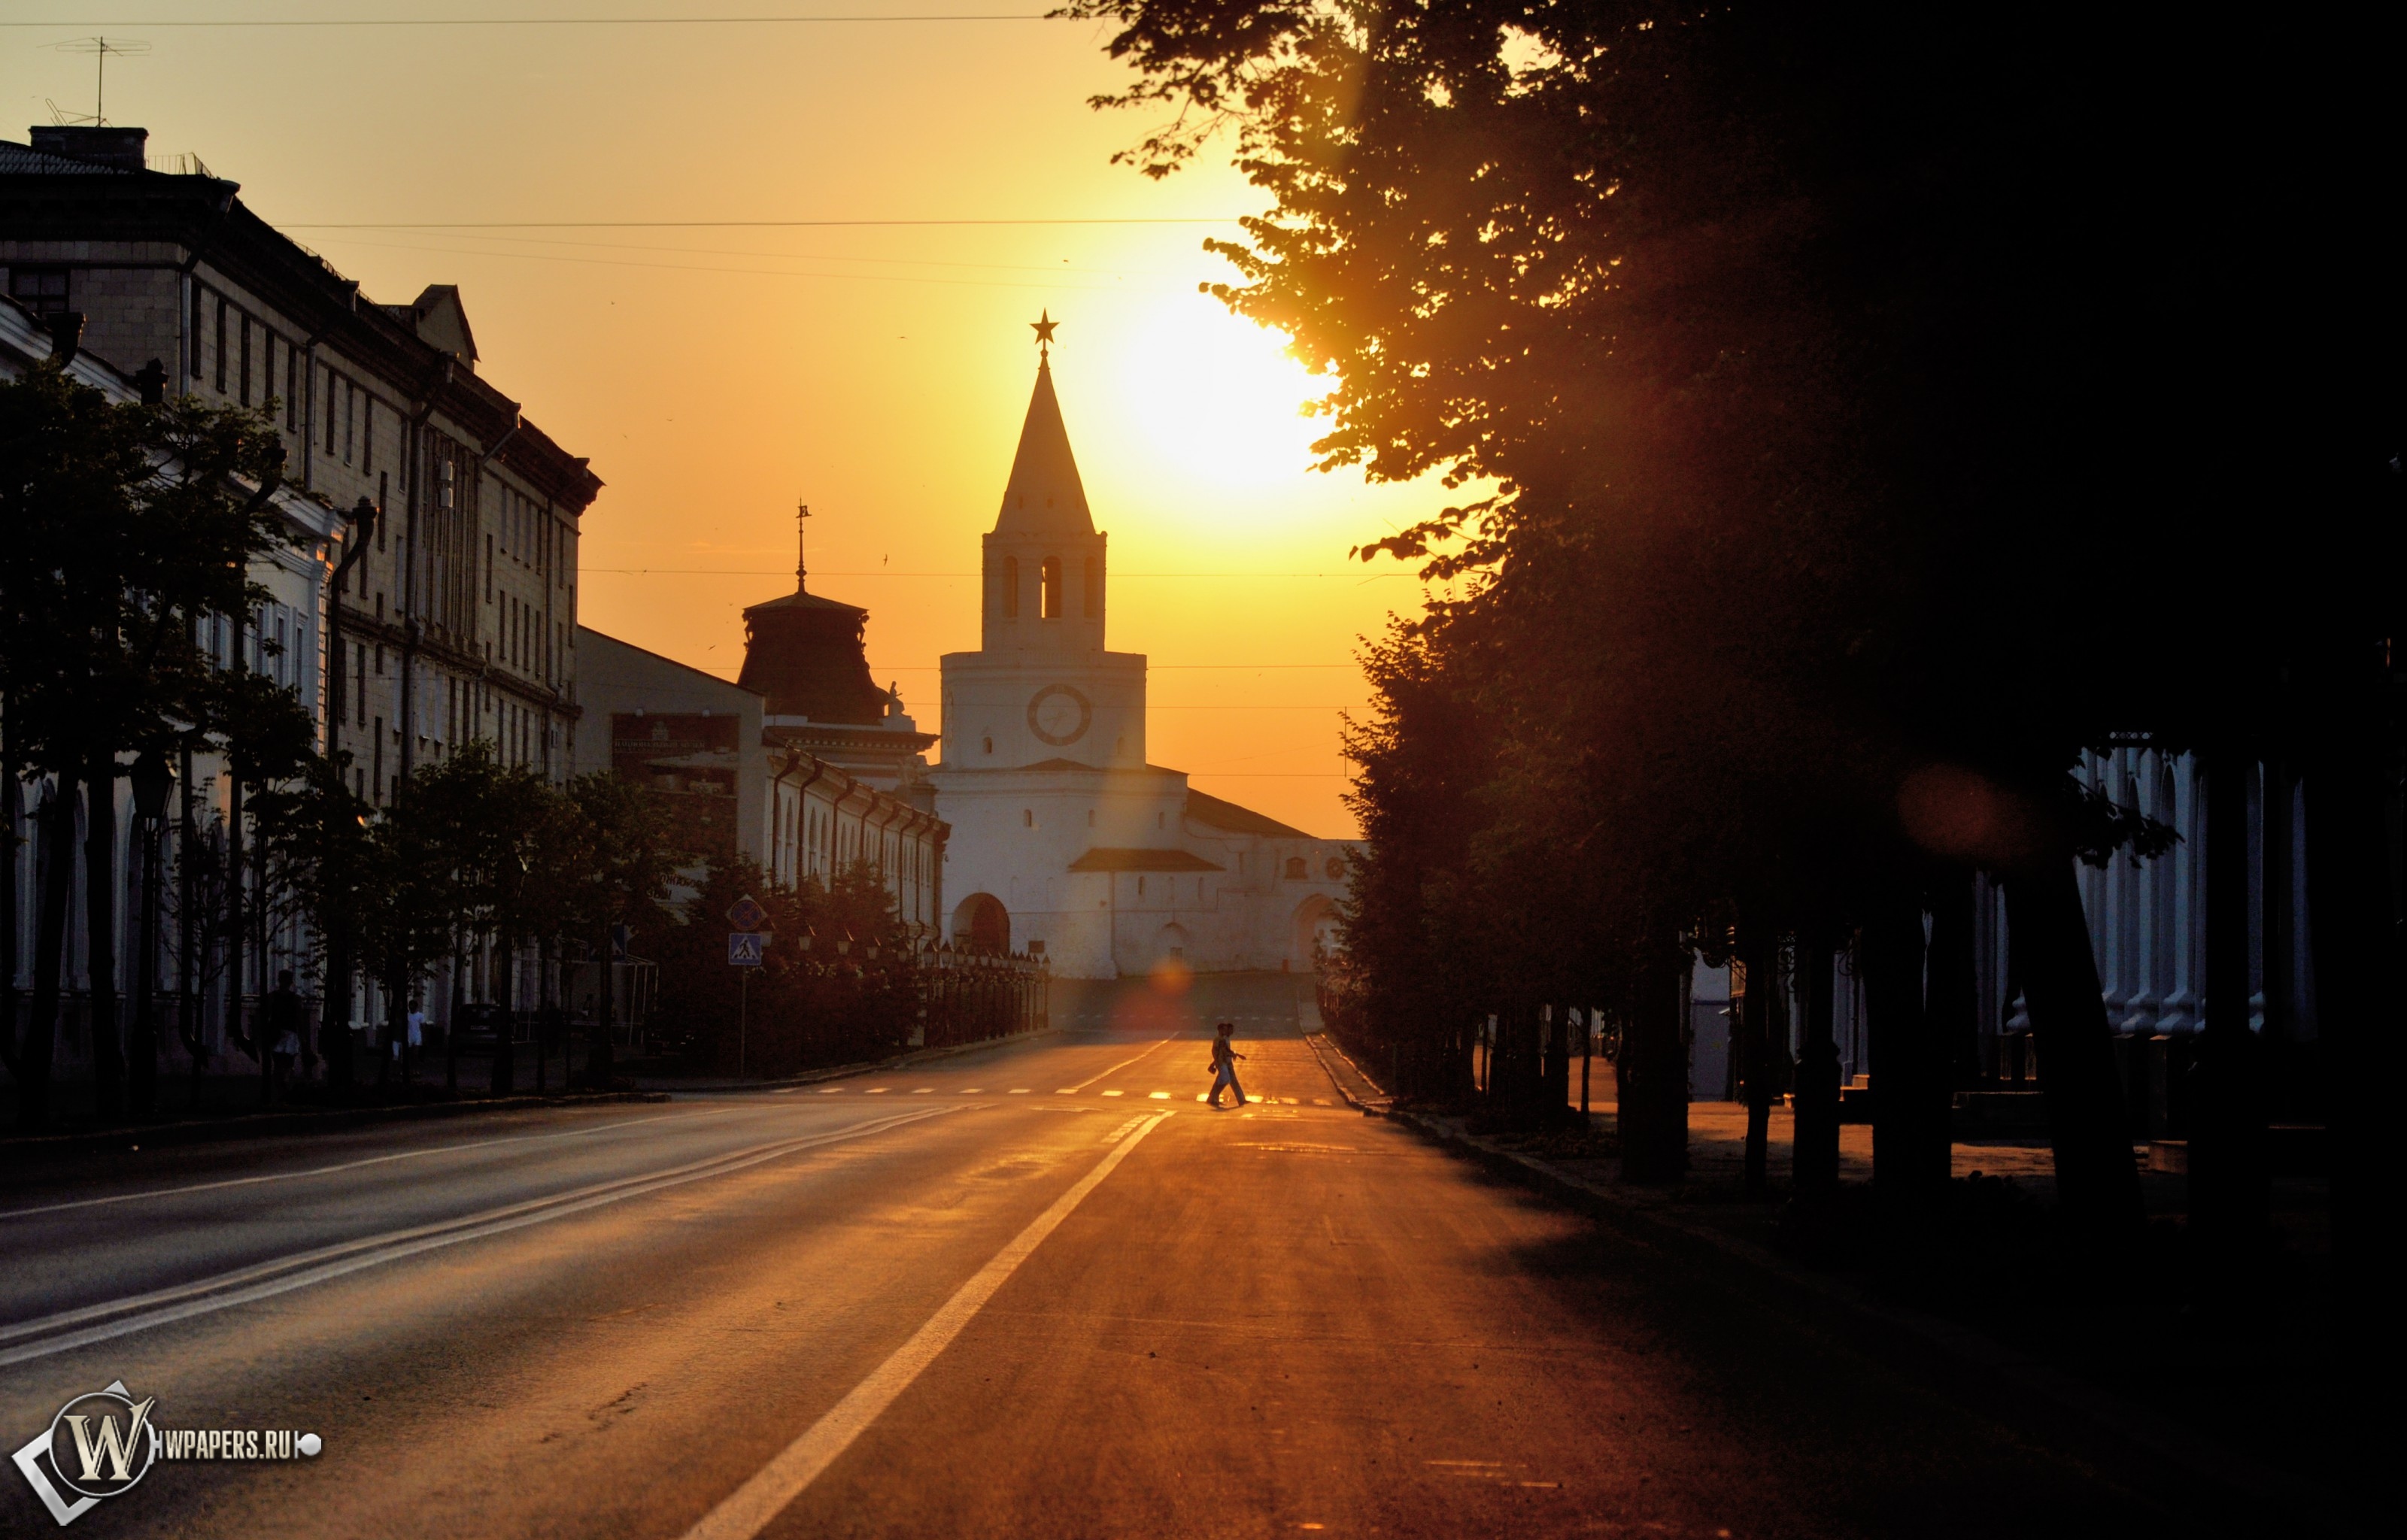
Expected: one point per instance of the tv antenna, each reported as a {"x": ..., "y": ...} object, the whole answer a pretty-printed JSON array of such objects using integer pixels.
[{"x": 102, "y": 50}]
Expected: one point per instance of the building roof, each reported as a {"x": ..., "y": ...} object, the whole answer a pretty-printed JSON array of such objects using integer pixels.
[
  {"x": 1045, "y": 495},
  {"x": 103, "y": 191},
  {"x": 1215, "y": 813},
  {"x": 1115, "y": 858}
]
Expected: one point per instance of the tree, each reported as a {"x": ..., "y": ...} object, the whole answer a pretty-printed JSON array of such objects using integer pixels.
[
  {"x": 128, "y": 523},
  {"x": 1812, "y": 365},
  {"x": 621, "y": 858}
]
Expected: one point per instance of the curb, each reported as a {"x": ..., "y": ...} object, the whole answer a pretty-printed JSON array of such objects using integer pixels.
[
  {"x": 2181, "y": 1466},
  {"x": 253, "y": 1124}
]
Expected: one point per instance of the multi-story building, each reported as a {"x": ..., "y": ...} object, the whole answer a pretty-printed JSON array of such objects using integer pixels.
[
  {"x": 458, "y": 622},
  {"x": 746, "y": 772},
  {"x": 1068, "y": 841}
]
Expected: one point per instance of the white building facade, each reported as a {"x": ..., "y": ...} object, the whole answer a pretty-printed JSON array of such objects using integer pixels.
[{"x": 1065, "y": 840}]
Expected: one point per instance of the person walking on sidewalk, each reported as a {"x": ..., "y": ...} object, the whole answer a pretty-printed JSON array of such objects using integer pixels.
[{"x": 1224, "y": 1066}]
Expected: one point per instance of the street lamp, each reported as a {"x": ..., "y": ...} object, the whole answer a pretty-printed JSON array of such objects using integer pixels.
[{"x": 152, "y": 778}]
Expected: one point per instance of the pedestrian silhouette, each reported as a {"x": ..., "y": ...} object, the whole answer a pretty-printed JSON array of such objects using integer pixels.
[{"x": 1224, "y": 1067}]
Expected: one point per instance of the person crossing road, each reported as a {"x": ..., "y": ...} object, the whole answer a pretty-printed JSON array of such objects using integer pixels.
[{"x": 1224, "y": 1066}]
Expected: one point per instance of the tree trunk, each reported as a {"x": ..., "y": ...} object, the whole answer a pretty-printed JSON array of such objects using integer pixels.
[
  {"x": 100, "y": 885},
  {"x": 1758, "y": 973},
  {"x": 2351, "y": 924},
  {"x": 598, "y": 1057},
  {"x": 2229, "y": 1195},
  {"x": 2097, "y": 1178},
  {"x": 506, "y": 996},
  {"x": 12, "y": 818},
  {"x": 52, "y": 865},
  {"x": 1953, "y": 991},
  {"x": 188, "y": 965},
  {"x": 1910, "y": 1094},
  {"x": 451, "y": 1027},
  {"x": 142, "y": 1071},
  {"x": 1816, "y": 1153},
  {"x": 1653, "y": 1071},
  {"x": 237, "y": 933}
]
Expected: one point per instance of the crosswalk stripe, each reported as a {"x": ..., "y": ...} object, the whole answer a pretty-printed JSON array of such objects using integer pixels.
[
  {"x": 1114, "y": 1092},
  {"x": 829, "y": 1090},
  {"x": 1157, "y": 1096}
]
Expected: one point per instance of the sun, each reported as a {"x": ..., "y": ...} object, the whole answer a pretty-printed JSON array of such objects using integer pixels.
[{"x": 1215, "y": 399}]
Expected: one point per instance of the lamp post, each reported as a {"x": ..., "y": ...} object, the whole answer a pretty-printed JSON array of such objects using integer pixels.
[{"x": 152, "y": 779}]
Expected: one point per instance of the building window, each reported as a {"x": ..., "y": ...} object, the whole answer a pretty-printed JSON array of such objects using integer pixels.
[
  {"x": 1011, "y": 587},
  {"x": 291, "y": 390},
  {"x": 367, "y": 434},
  {"x": 43, "y": 290},
  {"x": 1295, "y": 868},
  {"x": 330, "y": 411},
  {"x": 222, "y": 347},
  {"x": 1054, "y": 608},
  {"x": 193, "y": 331},
  {"x": 242, "y": 385},
  {"x": 351, "y": 417},
  {"x": 1093, "y": 596},
  {"x": 1028, "y": 818}
]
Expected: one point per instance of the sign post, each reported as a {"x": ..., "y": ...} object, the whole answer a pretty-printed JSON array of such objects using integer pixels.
[{"x": 744, "y": 951}]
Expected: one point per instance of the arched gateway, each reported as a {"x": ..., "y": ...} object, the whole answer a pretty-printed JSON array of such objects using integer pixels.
[{"x": 982, "y": 923}]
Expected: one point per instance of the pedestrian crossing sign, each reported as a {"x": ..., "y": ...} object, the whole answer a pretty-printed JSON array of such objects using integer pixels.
[{"x": 744, "y": 948}]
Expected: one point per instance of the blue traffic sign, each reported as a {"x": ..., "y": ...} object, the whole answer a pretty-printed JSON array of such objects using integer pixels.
[{"x": 744, "y": 948}]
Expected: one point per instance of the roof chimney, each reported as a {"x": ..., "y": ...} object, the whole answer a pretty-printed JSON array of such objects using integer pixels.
[{"x": 120, "y": 148}]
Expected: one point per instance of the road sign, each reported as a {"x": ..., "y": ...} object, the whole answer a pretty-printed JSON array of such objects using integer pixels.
[
  {"x": 743, "y": 948},
  {"x": 745, "y": 913}
]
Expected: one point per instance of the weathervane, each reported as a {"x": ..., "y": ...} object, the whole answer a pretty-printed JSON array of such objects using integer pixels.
[
  {"x": 1043, "y": 325},
  {"x": 802, "y": 567}
]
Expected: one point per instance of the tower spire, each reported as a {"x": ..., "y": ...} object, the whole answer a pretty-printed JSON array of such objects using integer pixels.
[{"x": 801, "y": 566}]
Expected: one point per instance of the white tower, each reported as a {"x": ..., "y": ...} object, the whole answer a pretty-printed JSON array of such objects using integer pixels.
[{"x": 1041, "y": 687}]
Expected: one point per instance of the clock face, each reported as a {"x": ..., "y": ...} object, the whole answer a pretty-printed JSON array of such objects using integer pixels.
[{"x": 1059, "y": 715}]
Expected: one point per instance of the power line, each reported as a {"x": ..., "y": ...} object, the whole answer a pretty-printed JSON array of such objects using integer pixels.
[
  {"x": 732, "y": 224},
  {"x": 751, "y": 571},
  {"x": 323, "y": 21}
]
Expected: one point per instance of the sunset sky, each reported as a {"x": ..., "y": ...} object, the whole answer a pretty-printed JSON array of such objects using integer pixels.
[{"x": 717, "y": 375}]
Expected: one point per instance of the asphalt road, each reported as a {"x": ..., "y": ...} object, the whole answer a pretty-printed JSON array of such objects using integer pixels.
[{"x": 1035, "y": 1291}]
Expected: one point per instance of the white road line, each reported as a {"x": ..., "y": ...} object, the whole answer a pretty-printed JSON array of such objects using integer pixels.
[
  {"x": 1157, "y": 1096},
  {"x": 1114, "y": 1092},
  {"x": 323, "y": 1170},
  {"x": 203, "y": 1297},
  {"x": 1019, "y": 1089},
  {"x": 1117, "y": 1068},
  {"x": 878, "y": 1090},
  {"x": 829, "y": 1090},
  {"x": 748, "y": 1510},
  {"x": 973, "y": 1091},
  {"x": 1067, "y": 1090}
]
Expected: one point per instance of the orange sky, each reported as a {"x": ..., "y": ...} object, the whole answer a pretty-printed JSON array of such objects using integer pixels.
[{"x": 717, "y": 375}]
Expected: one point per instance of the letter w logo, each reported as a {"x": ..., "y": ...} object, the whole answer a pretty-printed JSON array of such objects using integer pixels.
[{"x": 117, "y": 1449}]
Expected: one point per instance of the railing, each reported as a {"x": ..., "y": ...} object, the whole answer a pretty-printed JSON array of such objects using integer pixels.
[{"x": 968, "y": 995}]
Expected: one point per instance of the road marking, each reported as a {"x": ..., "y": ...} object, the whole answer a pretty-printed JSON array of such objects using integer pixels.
[
  {"x": 1157, "y": 1096},
  {"x": 829, "y": 1090},
  {"x": 258, "y": 1281},
  {"x": 1019, "y": 1089},
  {"x": 749, "y": 1509},
  {"x": 1199, "y": 1095},
  {"x": 324, "y": 1170},
  {"x": 1117, "y": 1068},
  {"x": 1067, "y": 1090},
  {"x": 878, "y": 1090},
  {"x": 924, "y": 1090},
  {"x": 1114, "y": 1092},
  {"x": 974, "y": 1089}
]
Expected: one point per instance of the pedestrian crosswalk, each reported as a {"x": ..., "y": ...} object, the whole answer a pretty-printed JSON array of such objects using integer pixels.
[{"x": 1024, "y": 1091}]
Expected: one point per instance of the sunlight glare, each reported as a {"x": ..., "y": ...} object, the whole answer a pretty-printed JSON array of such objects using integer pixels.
[{"x": 1216, "y": 397}]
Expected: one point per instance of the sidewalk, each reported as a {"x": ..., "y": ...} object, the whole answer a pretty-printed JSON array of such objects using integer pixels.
[{"x": 2184, "y": 1395}]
